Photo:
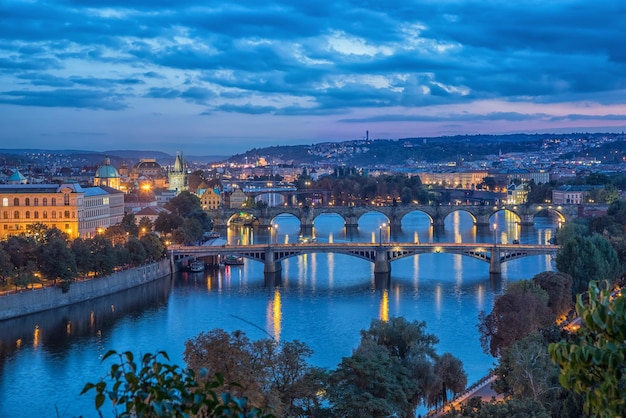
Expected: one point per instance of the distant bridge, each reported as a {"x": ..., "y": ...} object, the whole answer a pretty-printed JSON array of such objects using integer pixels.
[
  {"x": 380, "y": 254},
  {"x": 437, "y": 214}
]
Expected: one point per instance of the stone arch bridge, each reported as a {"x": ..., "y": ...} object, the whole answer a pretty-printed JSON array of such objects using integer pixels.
[{"x": 351, "y": 214}]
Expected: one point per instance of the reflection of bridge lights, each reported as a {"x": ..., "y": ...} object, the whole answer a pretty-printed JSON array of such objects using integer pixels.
[{"x": 384, "y": 306}]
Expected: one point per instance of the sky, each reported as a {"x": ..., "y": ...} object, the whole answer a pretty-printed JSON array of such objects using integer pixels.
[{"x": 222, "y": 77}]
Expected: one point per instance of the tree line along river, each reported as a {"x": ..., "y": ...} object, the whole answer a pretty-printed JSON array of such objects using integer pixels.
[{"x": 324, "y": 300}]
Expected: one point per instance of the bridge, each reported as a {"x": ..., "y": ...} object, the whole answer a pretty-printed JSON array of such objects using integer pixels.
[
  {"x": 381, "y": 254},
  {"x": 437, "y": 214}
]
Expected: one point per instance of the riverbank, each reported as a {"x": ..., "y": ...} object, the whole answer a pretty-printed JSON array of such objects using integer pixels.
[{"x": 42, "y": 299}]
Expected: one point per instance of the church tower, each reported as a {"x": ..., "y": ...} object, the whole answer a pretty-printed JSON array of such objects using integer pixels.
[{"x": 177, "y": 176}]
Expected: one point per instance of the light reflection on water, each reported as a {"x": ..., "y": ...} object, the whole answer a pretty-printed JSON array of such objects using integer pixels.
[{"x": 324, "y": 300}]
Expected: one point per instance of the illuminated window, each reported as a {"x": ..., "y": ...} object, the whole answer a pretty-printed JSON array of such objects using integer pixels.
[{"x": 5, "y": 201}]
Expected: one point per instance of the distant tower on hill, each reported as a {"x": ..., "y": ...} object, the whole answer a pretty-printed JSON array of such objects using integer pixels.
[
  {"x": 177, "y": 176},
  {"x": 367, "y": 135}
]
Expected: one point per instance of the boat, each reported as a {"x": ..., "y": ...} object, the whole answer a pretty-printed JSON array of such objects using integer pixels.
[
  {"x": 306, "y": 239},
  {"x": 233, "y": 260},
  {"x": 196, "y": 266}
]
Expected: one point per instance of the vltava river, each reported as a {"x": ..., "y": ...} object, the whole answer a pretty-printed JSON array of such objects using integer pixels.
[{"x": 324, "y": 300}]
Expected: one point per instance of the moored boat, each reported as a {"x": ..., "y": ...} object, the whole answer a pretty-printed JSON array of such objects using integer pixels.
[
  {"x": 196, "y": 266},
  {"x": 233, "y": 260}
]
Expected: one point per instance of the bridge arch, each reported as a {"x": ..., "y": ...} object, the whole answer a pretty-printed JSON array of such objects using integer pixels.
[{"x": 412, "y": 212}]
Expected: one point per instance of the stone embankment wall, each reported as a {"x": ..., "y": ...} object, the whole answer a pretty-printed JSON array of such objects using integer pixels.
[{"x": 38, "y": 300}]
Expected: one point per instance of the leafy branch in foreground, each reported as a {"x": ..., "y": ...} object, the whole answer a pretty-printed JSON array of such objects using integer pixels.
[
  {"x": 593, "y": 361},
  {"x": 150, "y": 388}
]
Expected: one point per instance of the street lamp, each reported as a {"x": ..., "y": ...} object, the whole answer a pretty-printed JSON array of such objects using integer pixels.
[{"x": 380, "y": 234}]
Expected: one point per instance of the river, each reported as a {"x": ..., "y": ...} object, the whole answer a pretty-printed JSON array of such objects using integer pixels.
[{"x": 324, "y": 300}]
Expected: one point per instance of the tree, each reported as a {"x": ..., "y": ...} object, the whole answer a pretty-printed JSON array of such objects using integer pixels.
[
  {"x": 592, "y": 361},
  {"x": 136, "y": 251},
  {"x": 129, "y": 225},
  {"x": 82, "y": 255},
  {"x": 145, "y": 225},
  {"x": 103, "y": 257},
  {"x": 268, "y": 373},
  {"x": 450, "y": 377},
  {"x": 390, "y": 372},
  {"x": 152, "y": 388},
  {"x": 155, "y": 249},
  {"x": 184, "y": 204},
  {"x": 587, "y": 259},
  {"x": 6, "y": 267},
  {"x": 516, "y": 313},
  {"x": 558, "y": 286},
  {"x": 166, "y": 222},
  {"x": 57, "y": 262}
]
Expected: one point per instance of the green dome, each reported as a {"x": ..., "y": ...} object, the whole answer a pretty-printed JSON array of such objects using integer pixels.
[{"x": 107, "y": 171}]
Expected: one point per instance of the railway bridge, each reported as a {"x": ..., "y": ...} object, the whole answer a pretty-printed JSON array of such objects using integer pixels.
[{"x": 381, "y": 254}]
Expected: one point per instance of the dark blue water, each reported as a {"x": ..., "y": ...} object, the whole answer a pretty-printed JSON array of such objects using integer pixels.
[{"x": 324, "y": 300}]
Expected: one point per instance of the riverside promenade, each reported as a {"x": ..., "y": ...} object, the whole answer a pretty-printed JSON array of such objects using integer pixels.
[
  {"x": 39, "y": 299},
  {"x": 482, "y": 389}
]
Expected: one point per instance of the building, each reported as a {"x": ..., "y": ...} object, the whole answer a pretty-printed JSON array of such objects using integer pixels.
[
  {"x": 453, "y": 179},
  {"x": 210, "y": 198},
  {"x": 177, "y": 175},
  {"x": 77, "y": 211},
  {"x": 570, "y": 195},
  {"x": 147, "y": 174},
  {"x": 107, "y": 175},
  {"x": 102, "y": 207},
  {"x": 237, "y": 199},
  {"x": 516, "y": 194}
]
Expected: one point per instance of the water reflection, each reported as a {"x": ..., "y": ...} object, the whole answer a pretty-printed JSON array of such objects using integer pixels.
[{"x": 324, "y": 301}]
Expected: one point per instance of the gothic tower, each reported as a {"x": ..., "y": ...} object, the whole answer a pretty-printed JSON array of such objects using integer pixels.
[{"x": 177, "y": 175}]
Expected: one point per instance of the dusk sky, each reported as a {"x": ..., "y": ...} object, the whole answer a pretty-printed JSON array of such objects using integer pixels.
[{"x": 221, "y": 77}]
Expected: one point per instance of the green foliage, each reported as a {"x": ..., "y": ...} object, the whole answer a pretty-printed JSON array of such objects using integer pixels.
[
  {"x": 268, "y": 373},
  {"x": 57, "y": 261},
  {"x": 586, "y": 259},
  {"x": 558, "y": 286},
  {"x": 515, "y": 314},
  {"x": 151, "y": 388},
  {"x": 593, "y": 361},
  {"x": 392, "y": 371},
  {"x": 184, "y": 204}
]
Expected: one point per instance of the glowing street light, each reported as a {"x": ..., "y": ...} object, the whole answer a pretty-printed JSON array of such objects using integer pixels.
[
  {"x": 495, "y": 232},
  {"x": 380, "y": 233}
]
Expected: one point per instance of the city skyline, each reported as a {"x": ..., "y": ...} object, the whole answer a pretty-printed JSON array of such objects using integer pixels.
[{"x": 219, "y": 78}]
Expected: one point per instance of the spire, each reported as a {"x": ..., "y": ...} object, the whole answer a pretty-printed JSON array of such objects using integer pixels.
[{"x": 179, "y": 164}]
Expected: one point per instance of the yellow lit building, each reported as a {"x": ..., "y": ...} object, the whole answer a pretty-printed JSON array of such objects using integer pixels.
[
  {"x": 210, "y": 199},
  {"x": 68, "y": 207},
  {"x": 461, "y": 179}
]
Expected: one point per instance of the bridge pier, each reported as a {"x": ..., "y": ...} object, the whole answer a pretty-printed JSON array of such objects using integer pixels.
[
  {"x": 271, "y": 265},
  {"x": 272, "y": 279},
  {"x": 306, "y": 230},
  {"x": 382, "y": 265},
  {"x": 495, "y": 267}
]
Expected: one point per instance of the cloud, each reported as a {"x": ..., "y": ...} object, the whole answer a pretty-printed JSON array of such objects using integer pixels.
[
  {"x": 89, "y": 99},
  {"x": 337, "y": 62}
]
